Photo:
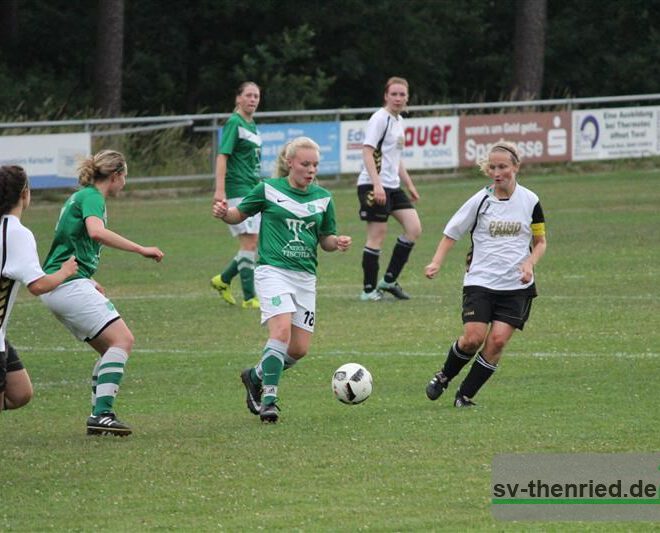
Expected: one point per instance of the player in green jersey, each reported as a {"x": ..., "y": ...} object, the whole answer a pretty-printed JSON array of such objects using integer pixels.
[
  {"x": 297, "y": 215},
  {"x": 80, "y": 303},
  {"x": 237, "y": 171}
]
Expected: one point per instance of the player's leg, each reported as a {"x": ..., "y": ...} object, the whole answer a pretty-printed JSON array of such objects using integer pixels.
[
  {"x": 272, "y": 364},
  {"x": 376, "y": 232},
  {"x": 222, "y": 282},
  {"x": 412, "y": 229},
  {"x": 247, "y": 258},
  {"x": 18, "y": 390}
]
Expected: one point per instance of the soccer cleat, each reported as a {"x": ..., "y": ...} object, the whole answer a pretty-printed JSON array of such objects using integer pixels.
[
  {"x": 436, "y": 386},
  {"x": 463, "y": 401},
  {"x": 107, "y": 424},
  {"x": 269, "y": 412},
  {"x": 372, "y": 296},
  {"x": 252, "y": 303},
  {"x": 394, "y": 289},
  {"x": 224, "y": 289},
  {"x": 253, "y": 399}
]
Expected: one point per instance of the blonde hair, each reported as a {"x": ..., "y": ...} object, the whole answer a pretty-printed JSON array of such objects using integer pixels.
[
  {"x": 288, "y": 151},
  {"x": 501, "y": 146},
  {"x": 396, "y": 80},
  {"x": 100, "y": 167}
]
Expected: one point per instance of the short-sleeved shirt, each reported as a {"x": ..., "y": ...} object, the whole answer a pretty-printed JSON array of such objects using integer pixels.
[
  {"x": 20, "y": 264},
  {"x": 71, "y": 237},
  {"x": 384, "y": 133},
  {"x": 501, "y": 232},
  {"x": 292, "y": 223},
  {"x": 241, "y": 143}
]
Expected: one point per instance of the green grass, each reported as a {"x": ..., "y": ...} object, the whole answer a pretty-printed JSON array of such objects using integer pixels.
[{"x": 582, "y": 377}]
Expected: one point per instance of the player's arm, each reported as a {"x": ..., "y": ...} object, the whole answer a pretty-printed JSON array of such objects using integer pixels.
[
  {"x": 96, "y": 230},
  {"x": 446, "y": 244},
  {"x": 331, "y": 243},
  {"x": 48, "y": 282},
  {"x": 230, "y": 215},
  {"x": 220, "y": 173},
  {"x": 539, "y": 246},
  {"x": 408, "y": 182},
  {"x": 370, "y": 166}
]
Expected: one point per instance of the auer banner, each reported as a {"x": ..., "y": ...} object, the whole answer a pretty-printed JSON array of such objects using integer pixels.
[{"x": 540, "y": 137}]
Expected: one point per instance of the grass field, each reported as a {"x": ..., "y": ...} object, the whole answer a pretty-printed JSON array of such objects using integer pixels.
[{"x": 582, "y": 377}]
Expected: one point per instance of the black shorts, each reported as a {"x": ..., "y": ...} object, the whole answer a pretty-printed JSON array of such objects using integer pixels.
[
  {"x": 370, "y": 211},
  {"x": 482, "y": 305}
]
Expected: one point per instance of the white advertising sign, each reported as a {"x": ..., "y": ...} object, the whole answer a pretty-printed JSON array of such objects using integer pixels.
[
  {"x": 615, "y": 133},
  {"x": 49, "y": 160},
  {"x": 429, "y": 143}
]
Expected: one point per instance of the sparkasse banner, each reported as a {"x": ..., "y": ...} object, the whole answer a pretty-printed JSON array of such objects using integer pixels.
[
  {"x": 540, "y": 137},
  {"x": 615, "y": 133}
]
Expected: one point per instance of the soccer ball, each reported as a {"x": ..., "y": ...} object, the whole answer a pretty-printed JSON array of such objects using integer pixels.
[{"x": 351, "y": 383}]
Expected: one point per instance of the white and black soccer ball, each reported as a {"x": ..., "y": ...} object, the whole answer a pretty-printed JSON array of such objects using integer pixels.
[{"x": 352, "y": 383}]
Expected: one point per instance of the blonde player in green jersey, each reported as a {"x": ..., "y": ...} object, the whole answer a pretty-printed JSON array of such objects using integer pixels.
[
  {"x": 237, "y": 171},
  {"x": 297, "y": 215},
  {"x": 80, "y": 303}
]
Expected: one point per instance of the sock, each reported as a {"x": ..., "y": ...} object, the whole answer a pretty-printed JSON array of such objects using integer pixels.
[
  {"x": 370, "y": 268},
  {"x": 479, "y": 373},
  {"x": 95, "y": 378},
  {"x": 400, "y": 255},
  {"x": 230, "y": 271},
  {"x": 111, "y": 370},
  {"x": 456, "y": 360},
  {"x": 272, "y": 364},
  {"x": 245, "y": 261}
]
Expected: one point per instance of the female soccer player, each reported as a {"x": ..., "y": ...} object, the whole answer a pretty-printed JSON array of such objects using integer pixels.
[
  {"x": 507, "y": 227},
  {"x": 80, "y": 303},
  {"x": 380, "y": 194},
  {"x": 20, "y": 265},
  {"x": 237, "y": 171},
  {"x": 297, "y": 216}
]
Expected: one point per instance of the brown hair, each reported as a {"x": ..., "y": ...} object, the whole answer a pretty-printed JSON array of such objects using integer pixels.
[
  {"x": 288, "y": 151},
  {"x": 100, "y": 167},
  {"x": 396, "y": 80},
  {"x": 13, "y": 180}
]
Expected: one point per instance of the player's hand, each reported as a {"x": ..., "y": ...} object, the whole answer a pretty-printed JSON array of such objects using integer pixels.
[
  {"x": 220, "y": 209},
  {"x": 219, "y": 196},
  {"x": 343, "y": 242},
  {"x": 414, "y": 195},
  {"x": 431, "y": 270},
  {"x": 151, "y": 252},
  {"x": 379, "y": 195},
  {"x": 526, "y": 272},
  {"x": 70, "y": 266}
]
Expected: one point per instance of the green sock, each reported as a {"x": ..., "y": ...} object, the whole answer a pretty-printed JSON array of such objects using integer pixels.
[
  {"x": 111, "y": 370},
  {"x": 272, "y": 364},
  {"x": 246, "y": 262},
  {"x": 230, "y": 271}
]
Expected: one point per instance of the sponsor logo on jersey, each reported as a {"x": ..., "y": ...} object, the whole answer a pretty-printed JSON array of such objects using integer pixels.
[{"x": 503, "y": 228}]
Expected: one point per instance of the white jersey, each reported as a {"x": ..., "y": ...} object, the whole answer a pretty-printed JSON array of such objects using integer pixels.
[
  {"x": 20, "y": 264},
  {"x": 501, "y": 233},
  {"x": 385, "y": 134}
]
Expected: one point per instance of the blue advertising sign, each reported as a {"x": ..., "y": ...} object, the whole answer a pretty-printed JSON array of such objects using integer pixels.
[{"x": 274, "y": 136}]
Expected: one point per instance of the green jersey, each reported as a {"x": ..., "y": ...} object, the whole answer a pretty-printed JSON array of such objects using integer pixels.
[
  {"x": 71, "y": 237},
  {"x": 292, "y": 223},
  {"x": 241, "y": 143}
]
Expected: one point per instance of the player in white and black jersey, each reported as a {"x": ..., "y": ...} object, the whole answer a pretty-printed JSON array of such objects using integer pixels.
[
  {"x": 380, "y": 194},
  {"x": 507, "y": 227}
]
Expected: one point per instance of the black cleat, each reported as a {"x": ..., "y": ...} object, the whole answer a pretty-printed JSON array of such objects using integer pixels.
[
  {"x": 253, "y": 399},
  {"x": 463, "y": 401},
  {"x": 394, "y": 289},
  {"x": 107, "y": 424},
  {"x": 436, "y": 386},
  {"x": 269, "y": 412}
]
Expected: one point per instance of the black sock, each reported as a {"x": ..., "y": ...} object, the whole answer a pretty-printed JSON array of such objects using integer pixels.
[
  {"x": 400, "y": 254},
  {"x": 370, "y": 268},
  {"x": 456, "y": 360},
  {"x": 479, "y": 373}
]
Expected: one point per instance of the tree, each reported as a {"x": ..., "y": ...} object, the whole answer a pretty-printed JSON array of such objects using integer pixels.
[
  {"x": 529, "y": 49},
  {"x": 9, "y": 25},
  {"x": 109, "y": 57}
]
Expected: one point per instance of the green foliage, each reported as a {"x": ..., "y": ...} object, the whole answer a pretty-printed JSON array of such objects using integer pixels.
[{"x": 580, "y": 378}]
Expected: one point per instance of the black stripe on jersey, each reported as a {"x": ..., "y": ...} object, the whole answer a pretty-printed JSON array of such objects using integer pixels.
[
  {"x": 6, "y": 284},
  {"x": 537, "y": 214},
  {"x": 468, "y": 257}
]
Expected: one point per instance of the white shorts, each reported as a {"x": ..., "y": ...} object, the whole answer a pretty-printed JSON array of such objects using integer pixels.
[
  {"x": 249, "y": 225},
  {"x": 82, "y": 309},
  {"x": 285, "y": 291}
]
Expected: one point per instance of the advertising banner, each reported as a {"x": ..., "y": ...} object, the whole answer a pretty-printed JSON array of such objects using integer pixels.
[
  {"x": 49, "y": 160},
  {"x": 540, "y": 137},
  {"x": 615, "y": 133},
  {"x": 428, "y": 143},
  {"x": 275, "y": 136}
]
